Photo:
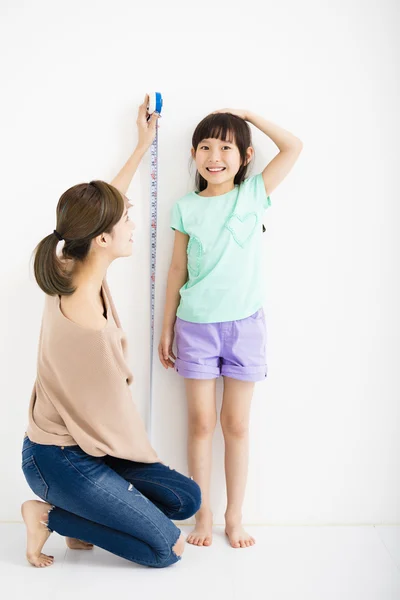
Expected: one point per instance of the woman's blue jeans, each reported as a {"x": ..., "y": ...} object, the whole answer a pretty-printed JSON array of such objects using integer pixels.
[{"x": 122, "y": 506}]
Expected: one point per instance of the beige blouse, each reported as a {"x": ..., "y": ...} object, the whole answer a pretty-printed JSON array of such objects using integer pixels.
[{"x": 81, "y": 394}]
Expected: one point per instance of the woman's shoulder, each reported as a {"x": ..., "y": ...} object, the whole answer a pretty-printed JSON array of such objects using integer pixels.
[{"x": 78, "y": 310}]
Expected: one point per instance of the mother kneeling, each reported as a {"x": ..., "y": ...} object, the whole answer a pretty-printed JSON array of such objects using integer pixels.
[{"x": 86, "y": 453}]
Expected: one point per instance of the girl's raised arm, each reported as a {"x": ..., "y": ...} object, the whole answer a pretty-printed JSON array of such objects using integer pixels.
[{"x": 289, "y": 146}]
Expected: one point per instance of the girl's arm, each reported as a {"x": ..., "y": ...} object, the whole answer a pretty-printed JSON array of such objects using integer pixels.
[
  {"x": 289, "y": 148},
  {"x": 146, "y": 134},
  {"x": 289, "y": 145},
  {"x": 177, "y": 277}
]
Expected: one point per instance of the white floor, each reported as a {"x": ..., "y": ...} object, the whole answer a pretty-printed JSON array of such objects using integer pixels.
[{"x": 299, "y": 563}]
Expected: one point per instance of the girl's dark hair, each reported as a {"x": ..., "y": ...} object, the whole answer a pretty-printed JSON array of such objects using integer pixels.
[
  {"x": 84, "y": 211},
  {"x": 229, "y": 128}
]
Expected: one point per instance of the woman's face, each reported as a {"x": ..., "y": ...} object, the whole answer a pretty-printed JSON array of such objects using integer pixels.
[
  {"x": 122, "y": 234},
  {"x": 120, "y": 242}
]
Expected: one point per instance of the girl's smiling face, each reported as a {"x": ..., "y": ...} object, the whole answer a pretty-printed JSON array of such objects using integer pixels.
[
  {"x": 222, "y": 149},
  {"x": 217, "y": 160}
]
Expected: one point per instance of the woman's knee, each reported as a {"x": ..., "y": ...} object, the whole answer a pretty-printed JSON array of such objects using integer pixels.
[{"x": 191, "y": 501}]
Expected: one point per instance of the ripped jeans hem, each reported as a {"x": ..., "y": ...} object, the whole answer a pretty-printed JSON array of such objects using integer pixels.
[
  {"x": 172, "y": 547},
  {"x": 48, "y": 519}
]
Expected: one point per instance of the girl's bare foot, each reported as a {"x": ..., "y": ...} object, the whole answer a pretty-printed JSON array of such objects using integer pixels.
[
  {"x": 75, "y": 544},
  {"x": 35, "y": 515},
  {"x": 202, "y": 534},
  {"x": 238, "y": 537}
]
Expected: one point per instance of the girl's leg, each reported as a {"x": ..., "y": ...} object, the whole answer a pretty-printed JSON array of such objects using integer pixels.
[
  {"x": 235, "y": 415},
  {"x": 202, "y": 419}
]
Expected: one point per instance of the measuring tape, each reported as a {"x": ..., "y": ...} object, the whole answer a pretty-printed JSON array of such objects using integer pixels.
[{"x": 155, "y": 104}]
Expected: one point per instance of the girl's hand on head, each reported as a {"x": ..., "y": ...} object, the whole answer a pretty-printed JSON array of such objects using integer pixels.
[
  {"x": 146, "y": 128},
  {"x": 234, "y": 111},
  {"x": 165, "y": 349}
]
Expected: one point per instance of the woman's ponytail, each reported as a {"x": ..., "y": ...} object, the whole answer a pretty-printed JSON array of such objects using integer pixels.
[
  {"x": 84, "y": 211},
  {"x": 50, "y": 272}
]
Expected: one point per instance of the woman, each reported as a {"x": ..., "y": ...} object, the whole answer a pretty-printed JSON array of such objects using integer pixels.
[{"x": 86, "y": 453}]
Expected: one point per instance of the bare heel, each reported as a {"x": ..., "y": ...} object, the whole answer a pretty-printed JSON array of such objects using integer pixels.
[{"x": 35, "y": 515}]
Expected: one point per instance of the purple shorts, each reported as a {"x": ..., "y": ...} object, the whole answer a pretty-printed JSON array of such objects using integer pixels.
[{"x": 234, "y": 349}]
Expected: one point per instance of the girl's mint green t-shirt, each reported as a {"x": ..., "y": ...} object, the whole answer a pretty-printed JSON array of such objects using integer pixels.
[{"x": 224, "y": 252}]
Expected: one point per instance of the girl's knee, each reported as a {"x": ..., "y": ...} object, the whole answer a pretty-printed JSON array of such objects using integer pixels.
[
  {"x": 202, "y": 427},
  {"x": 234, "y": 427}
]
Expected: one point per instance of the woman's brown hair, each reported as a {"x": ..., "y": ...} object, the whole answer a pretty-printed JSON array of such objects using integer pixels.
[{"x": 84, "y": 211}]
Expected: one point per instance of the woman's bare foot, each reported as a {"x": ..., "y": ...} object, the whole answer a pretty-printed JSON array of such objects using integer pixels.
[
  {"x": 35, "y": 515},
  {"x": 238, "y": 537},
  {"x": 75, "y": 544},
  {"x": 202, "y": 534}
]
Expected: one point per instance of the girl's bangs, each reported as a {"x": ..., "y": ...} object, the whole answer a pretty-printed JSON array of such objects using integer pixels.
[{"x": 216, "y": 126}]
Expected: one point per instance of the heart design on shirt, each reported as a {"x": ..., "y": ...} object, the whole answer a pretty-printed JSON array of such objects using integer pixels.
[
  {"x": 242, "y": 228},
  {"x": 194, "y": 254}
]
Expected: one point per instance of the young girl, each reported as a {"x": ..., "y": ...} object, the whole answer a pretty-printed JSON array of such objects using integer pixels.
[
  {"x": 214, "y": 299},
  {"x": 86, "y": 453}
]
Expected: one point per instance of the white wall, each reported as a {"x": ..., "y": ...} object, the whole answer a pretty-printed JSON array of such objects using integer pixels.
[{"x": 324, "y": 431}]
